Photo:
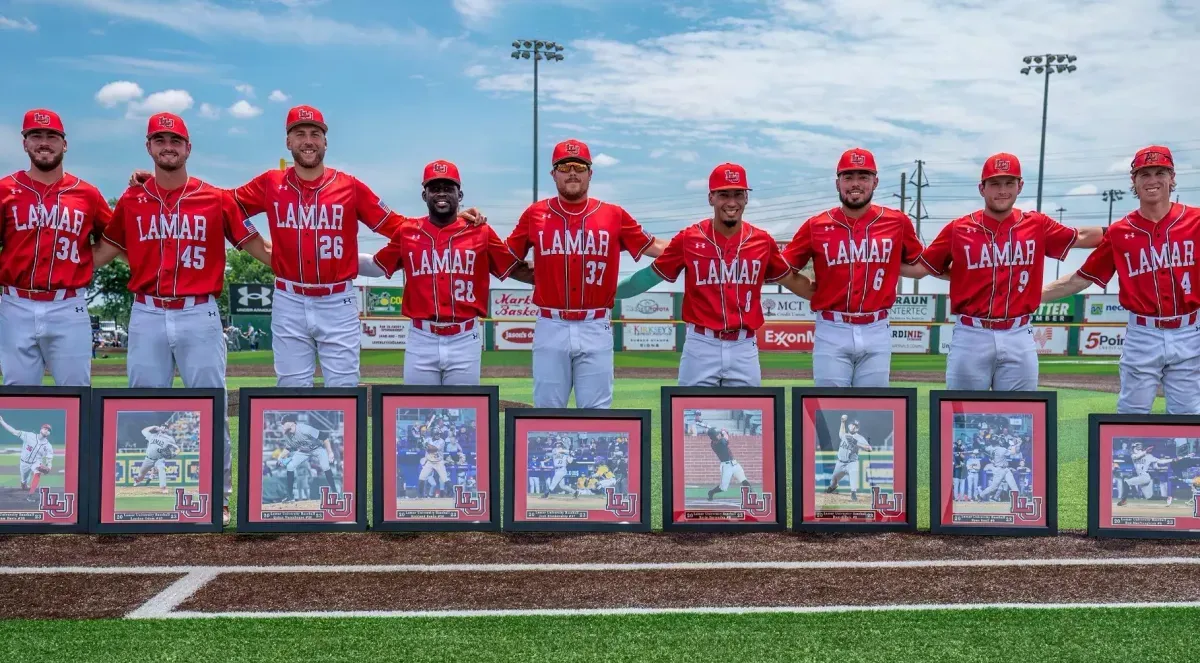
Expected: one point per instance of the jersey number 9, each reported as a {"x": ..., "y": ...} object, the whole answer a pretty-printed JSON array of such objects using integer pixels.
[{"x": 331, "y": 247}]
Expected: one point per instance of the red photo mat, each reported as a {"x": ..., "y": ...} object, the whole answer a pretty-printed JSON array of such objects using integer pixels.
[
  {"x": 879, "y": 505},
  {"x": 463, "y": 506},
  {"x": 608, "y": 507},
  {"x": 1016, "y": 511},
  {"x": 333, "y": 508},
  {"x": 756, "y": 506},
  {"x": 1139, "y": 513},
  {"x": 53, "y": 504},
  {"x": 186, "y": 506}
]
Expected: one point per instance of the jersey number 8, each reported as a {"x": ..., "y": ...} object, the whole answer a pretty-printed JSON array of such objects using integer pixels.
[{"x": 331, "y": 247}]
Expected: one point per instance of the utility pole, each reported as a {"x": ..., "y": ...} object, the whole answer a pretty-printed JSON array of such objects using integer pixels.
[
  {"x": 1110, "y": 197},
  {"x": 920, "y": 182},
  {"x": 1065, "y": 66},
  {"x": 903, "y": 205},
  {"x": 1058, "y": 263},
  {"x": 533, "y": 49}
]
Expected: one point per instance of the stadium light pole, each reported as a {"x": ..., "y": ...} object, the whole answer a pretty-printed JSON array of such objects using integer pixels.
[
  {"x": 1111, "y": 196},
  {"x": 1047, "y": 64},
  {"x": 535, "y": 49}
]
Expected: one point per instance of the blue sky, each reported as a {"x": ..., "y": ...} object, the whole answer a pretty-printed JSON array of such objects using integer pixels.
[{"x": 663, "y": 90}]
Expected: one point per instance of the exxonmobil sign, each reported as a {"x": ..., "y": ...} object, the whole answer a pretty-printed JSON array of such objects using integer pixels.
[{"x": 786, "y": 337}]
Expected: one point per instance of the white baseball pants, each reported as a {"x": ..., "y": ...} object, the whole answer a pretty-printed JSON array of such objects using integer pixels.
[
  {"x": 972, "y": 485},
  {"x": 999, "y": 478},
  {"x": 431, "y": 468},
  {"x": 1152, "y": 357},
  {"x": 731, "y": 470},
  {"x": 846, "y": 355},
  {"x": 34, "y": 335},
  {"x": 1141, "y": 483},
  {"x": 997, "y": 359},
  {"x": 27, "y": 472},
  {"x": 848, "y": 469},
  {"x": 304, "y": 329},
  {"x": 557, "y": 481},
  {"x": 572, "y": 355},
  {"x": 710, "y": 362},
  {"x": 159, "y": 465},
  {"x": 297, "y": 460},
  {"x": 442, "y": 360}
]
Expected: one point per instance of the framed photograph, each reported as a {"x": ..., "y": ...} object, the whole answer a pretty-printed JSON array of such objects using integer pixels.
[
  {"x": 577, "y": 470},
  {"x": 436, "y": 452},
  {"x": 158, "y": 460},
  {"x": 723, "y": 459},
  {"x": 993, "y": 468},
  {"x": 1144, "y": 476},
  {"x": 43, "y": 445},
  {"x": 303, "y": 459},
  {"x": 854, "y": 460}
]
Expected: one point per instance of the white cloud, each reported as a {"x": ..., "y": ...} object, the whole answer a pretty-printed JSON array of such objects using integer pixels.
[
  {"x": 604, "y": 160},
  {"x": 169, "y": 101},
  {"x": 18, "y": 24},
  {"x": 245, "y": 89},
  {"x": 476, "y": 70},
  {"x": 118, "y": 92},
  {"x": 1084, "y": 190},
  {"x": 696, "y": 185},
  {"x": 244, "y": 109},
  {"x": 476, "y": 13},
  {"x": 209, "y": 111},
  {"x": 236, "y": 131},
  {"x": 120, "y": 64},
  {"x": 688, "y": 156},
  {"x": 278, "y": 96}
]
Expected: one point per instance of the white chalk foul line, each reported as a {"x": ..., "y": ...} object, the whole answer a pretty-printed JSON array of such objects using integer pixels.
[
  {"x": 161, "y": 604},
  {"x": 625, "y": 612},
  {"x": 643, "y": 566}
]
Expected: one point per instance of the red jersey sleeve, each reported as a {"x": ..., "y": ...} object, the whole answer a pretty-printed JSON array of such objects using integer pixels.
[
  {"x": 238, "y": 229},
  {"x": 391, "y": 257},
  {"x": 373, "y": 212},
  {"x": 518, "y": 240},
  {"x": 938, "y": 255},
  {"x": 251, "y": 196},
  {"x": 501, "y": 260},
  {"x": 910, "y": 244},
  {"x": 1099, "y": 266},
  {"x": 114, "y": 231},
  {"x": 634, "y": 239},
  {"x": 799, "y": 250},
  {"x": 669, "y": 264},
  {"x": 1059, "y": 238},
  {"x": 777, "y": 267},
  {"x": 101, "y": 216}
]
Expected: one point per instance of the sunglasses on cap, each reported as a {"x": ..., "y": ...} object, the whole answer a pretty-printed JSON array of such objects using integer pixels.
[{"x": 572, "y": 167}]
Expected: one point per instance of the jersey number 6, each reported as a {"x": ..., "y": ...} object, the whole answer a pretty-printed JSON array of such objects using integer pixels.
[{"x": 878, "y": 282}]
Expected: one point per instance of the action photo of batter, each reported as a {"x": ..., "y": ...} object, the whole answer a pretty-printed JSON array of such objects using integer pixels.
[
  {"x": 992, "y": 458},
  {"x": 157, "y": 452},
  {"x": 302, "y": 451},
  {"x": 436, "y": 450},
  {"x": 854, "y": 452},
  {"x": 1155, "y": 476},
  {"x": 31, "y": 457},
  {"x": 571, "y": 470},
  {"x": 722, "y": 453}
]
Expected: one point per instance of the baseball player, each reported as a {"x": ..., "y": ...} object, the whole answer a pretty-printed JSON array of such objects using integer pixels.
[
  {"x": 1153, "y": 253},
  {"x": 974, "y": 464},
  {"x": 177, "y": 268},
  {"x": 434, "y": 462},
  {"x": 731, "y": 470},
  {"x": 1141, "y": 481},
  {"x": 37, "y": 454},
  {"x": 1001, "y": 456},
  {"x": 851, "y": 443},
  {"x": 605, "y": 475},
  {"x": 561, "y": 459},
  {"x": 160, "y": 446},
  {"x": 48, "y": 219},
  {"x": 994, "y": 257},
  {"x": 301, "y": 442},
  {"x": 576, "y": 243},
  {"x": 857, "y": 251},
  {"x": 727, "y": 261},
  {"x": 448, "y": 263}
]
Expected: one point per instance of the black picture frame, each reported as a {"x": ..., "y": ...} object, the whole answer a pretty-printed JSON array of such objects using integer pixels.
[
  {"x": 1099, "y": 468},
  {"x": 79, "y": 503},
  {"x": 512, "y": 415},
  {"x": 911, "y": 496},
  {"x": 379, "y": 454},
  {"x": 246, "y": 398},
  {"x": 1049, "y": 401},
  {"x": 778, "y": 445},
  {"x": 216, "y": 460}
]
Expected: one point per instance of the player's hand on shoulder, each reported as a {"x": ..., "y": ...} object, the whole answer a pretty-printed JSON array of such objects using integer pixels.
[
  {"x": 473, "y": 216},
  {"x": 138, "y": 177}
]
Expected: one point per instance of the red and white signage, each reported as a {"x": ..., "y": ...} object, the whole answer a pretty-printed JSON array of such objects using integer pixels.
[
  {"x": 648, "y": 336},
  {"x": 908, "y": 340},
  {"x": 513, "y": 305},
  {"x": 514, "y": 335},
  {"x": 1101, "y": 340},
  {"x": 384, "y": 334},
  {"x": 786, "y": 337}
]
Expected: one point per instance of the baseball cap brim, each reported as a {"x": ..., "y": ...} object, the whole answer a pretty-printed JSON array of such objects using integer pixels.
[
  {"x": 575, "y": 159},
  {"x": 441, "y": 179},
  {"x": 297, "y": 123},
  {"x": 731, "y": 187},
  {"x": 33, "y": 129}
]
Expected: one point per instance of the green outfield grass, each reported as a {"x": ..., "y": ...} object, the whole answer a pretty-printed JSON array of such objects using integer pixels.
[{"x": 10, "y": 470}]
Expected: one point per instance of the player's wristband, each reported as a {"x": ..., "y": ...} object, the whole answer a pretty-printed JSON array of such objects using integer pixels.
[{"x": 641, "y": 281}]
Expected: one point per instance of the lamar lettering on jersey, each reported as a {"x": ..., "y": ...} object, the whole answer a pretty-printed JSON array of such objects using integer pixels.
[
  {"x": 724, "y": 289},
  {"x": 579, "y": 243},
  {"x": 459, "y": 261},
  {"x": 47, "y": 232},
  {"x": 1155, "y": 263},
  {"x": 996, "y": 266},
  {"x": 310, "y": 217},
  {"x": 176, "y": 226},
  {"x": 864, "y": 251}
]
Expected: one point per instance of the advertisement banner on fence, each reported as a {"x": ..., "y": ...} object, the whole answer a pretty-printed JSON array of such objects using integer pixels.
[
  {"x": 513, "y": 305},
  {"x": 638, "y": 336},
  {"x": 910, "y": 340},
  {"x": 786, "y": 337},
  {"x": 785, "y": 307},
  {"x": 1062, "y": 310},
  {"x": 384, "y": 334},
  {"x": 514, "y": 335},
  {"x": 1047, "y": 340},
  {"x": 382, "y": 301},
  {"x": 1103, "y": 308},
  {"x": 648, "y": 306},
  {"x": 1101, "y": 340},
  {"x": 914, "y": 308}
]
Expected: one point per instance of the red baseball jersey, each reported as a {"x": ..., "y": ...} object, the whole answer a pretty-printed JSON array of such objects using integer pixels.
[
  {"x": 577, "y": 251},
  {"x": 314, "y": 224},
  {"x": 47, "y": 232},
  {"x": 725, "y": 275},
  {"x": 447, "y": 269},
  {"x": 175, "y": 239},
  {"x": 1155, "y": 263},
  {"x": 996, "y": 266},
  {"x": 856, "y": 261}
]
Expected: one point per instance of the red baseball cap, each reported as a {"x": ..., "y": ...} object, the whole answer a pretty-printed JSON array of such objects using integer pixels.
[
  {"x": 571, "y": 149},
  {"x": 40, "y": 118},
  {"x": 1153, "y": 156},
  {"x": 305, "y": 115},
  {"x": 167, "y": 123},
  {"x": 728, "y": 176},
  {"x": 441, "y": 170},
  {"x": 856, "y": 158},
  {"x": 1001, "y": 165}
]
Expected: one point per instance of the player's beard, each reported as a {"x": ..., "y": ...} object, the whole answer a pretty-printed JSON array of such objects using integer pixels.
[
  {"x": 168, "y": 164},
  {"x": 856, "y": 206},
  {"x": 439, "y": 217},
  {"x": 308, "y": 161},
  {"x": 46, "y": 163},
  {"x": 1000, "y": 211}
]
